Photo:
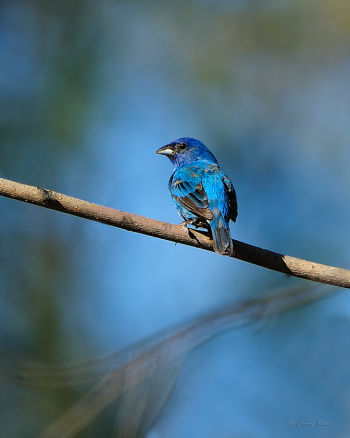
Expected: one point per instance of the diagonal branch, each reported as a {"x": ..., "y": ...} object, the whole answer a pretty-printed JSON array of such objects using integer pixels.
[
  {"x": 154, "y": 362},
  {"x": 175, "y": 233}
]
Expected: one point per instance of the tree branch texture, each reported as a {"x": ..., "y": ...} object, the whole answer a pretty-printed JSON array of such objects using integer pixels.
[{"x": 175, "y": 233}]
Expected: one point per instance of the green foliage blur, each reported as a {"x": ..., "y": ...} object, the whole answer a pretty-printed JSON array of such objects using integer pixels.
[{"x": 88, "y": 91}]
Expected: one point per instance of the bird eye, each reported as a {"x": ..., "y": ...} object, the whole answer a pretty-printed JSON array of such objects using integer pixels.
[{"x": 182, "y": 146}]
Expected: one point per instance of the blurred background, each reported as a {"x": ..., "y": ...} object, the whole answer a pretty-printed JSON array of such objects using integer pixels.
[{"x": 88, "y": 92}]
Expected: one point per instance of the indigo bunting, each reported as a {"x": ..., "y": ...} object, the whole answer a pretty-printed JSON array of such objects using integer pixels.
[{"x": 203, "y": 195}]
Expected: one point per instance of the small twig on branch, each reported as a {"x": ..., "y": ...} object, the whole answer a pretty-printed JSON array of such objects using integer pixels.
[{"x": 163, "y": 230}]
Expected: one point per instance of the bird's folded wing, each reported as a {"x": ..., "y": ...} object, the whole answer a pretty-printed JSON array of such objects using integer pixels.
[
  {"x": 192, "y": 196},
  {"x": 231, "y": 196}
]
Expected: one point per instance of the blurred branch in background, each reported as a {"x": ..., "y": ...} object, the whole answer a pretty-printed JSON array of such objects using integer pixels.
[
  {"x": 143, "y": 375},
  {"x": 132, "y": 222}
]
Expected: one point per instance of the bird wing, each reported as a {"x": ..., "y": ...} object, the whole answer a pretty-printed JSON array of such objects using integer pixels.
[
  {"x": 232, "y": 198},
  {"x": 192, "y": 196}
]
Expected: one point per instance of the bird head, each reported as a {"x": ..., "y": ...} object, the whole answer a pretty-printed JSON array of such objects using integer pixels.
[{"x": 186, "y": 150}]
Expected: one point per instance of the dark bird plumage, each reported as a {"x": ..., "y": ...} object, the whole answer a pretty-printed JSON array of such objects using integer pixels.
[{"x": 202, "y": 193}]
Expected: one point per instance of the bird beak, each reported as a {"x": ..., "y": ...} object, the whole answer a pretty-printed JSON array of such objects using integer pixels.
[{"x": 166, "y": 150}]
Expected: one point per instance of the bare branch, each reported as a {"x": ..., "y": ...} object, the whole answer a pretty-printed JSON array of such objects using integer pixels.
[
  {"x": 156, "y": 359},
  {"x": 163, "y": 230}
]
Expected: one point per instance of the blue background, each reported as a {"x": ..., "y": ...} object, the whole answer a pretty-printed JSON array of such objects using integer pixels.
[{"x": 88, "y": 92}]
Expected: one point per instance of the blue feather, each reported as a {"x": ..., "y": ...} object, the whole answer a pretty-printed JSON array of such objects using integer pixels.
[{"x": 201, "y": 191}]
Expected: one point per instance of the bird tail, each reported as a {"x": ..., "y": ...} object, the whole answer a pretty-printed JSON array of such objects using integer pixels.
[{"x": 221, "y": 235}]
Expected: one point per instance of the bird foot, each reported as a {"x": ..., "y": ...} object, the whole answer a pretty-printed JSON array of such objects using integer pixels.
[
  {"x": 183, "y": 226},
  {"x": 196, "y": 223}
]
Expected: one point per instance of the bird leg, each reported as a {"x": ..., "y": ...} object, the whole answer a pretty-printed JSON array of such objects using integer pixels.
[
  {"x": 197, "y": 223},
  {"x": 183, "y": 226}
]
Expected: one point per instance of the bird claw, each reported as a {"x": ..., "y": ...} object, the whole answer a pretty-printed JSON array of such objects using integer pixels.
[
  {"x": 196, "y": 223},
  {"x": 184, "y": 226}
]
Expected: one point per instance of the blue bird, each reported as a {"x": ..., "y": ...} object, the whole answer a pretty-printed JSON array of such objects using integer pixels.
[{"x": 203, "y": 195}]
